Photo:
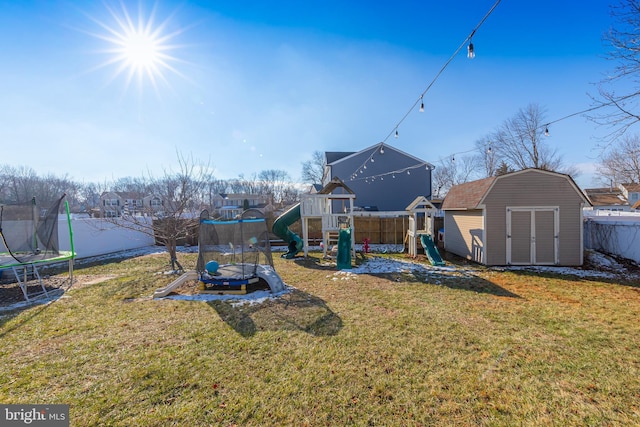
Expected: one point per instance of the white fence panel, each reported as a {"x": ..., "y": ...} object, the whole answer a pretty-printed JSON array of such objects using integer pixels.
[
  {"x": 95, "y": 236},
  {"x": 615, "y": 235}
]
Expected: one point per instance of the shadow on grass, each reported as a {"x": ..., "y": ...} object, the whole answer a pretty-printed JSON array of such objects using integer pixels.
[
  {"x": 630, "y": 279},
  {"x": 458, "y": 282},
  {"x": 295, "y": 311},
  {"x": 315, "y": 263}
]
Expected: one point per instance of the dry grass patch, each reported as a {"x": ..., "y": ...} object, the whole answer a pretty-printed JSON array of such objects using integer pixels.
[{"x": 475, "y": 348}]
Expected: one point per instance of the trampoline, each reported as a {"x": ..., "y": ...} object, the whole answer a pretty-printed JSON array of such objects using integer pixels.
[
  {"x": 230, "y": 253},
  {"x": 30, "y": 241}
]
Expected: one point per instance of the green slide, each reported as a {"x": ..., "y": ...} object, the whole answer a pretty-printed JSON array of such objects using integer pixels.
[
  {"x": 281, "y": 229},
  {"x": 430, "y": 250},
  {"x": 343, "y": 258}
]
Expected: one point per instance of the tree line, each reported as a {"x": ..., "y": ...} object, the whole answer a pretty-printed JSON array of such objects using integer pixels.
[{"x": 20, "y": 184}]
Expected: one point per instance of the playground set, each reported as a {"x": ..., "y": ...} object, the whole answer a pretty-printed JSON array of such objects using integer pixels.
[
  {"x": 234, "y": 257},
  {"x": 337, "y": 228},
  {"x": 30, "y": 241},
  {"x": 421, "y": 211}
]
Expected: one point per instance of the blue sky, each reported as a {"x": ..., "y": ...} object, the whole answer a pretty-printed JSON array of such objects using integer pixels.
[{"x": 262, "y": 85}]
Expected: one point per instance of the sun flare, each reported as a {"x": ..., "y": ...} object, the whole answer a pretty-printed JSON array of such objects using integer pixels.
[
  {"x": 138, "y": 48},
  {"x": 141, "y": 51}
]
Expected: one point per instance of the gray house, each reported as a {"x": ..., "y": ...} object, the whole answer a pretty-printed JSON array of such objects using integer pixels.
[
  {"x": 382, "y": 177},
  {"x": 529, "y": 217}
]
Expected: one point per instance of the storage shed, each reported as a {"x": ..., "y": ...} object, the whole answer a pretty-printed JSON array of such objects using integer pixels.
[{"x": 529, "y": 217}]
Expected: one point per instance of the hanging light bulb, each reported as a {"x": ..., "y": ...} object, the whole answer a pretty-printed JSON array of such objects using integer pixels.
[
  {"x": 373, "y": 160},
  {"x": 421, "y": 105},
  {"x": 546, "y": 130},
  {"x": 396, "y": 133},
  {"x": 453, "y": 158},
  {"x": 381, "y": 149},
  {"x": 489, "y": 150},
  {"x": 408, "y": 172},
  {"x": 470, "y": 52},
  {"x": 365, "y": 166}
]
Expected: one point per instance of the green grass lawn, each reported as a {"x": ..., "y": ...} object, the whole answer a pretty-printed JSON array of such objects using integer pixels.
[{"x": 480, "y": 348}]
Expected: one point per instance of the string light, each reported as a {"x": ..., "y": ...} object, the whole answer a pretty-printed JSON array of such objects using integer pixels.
[
  {"x": 420, "y": 100},
  {"x": 546, "y": 130},
  {"x": 470, "y": 51}
]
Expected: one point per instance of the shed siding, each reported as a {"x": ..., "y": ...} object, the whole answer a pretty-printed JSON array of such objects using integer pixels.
[
  {"x": 534, "y": 189},
  {"x": 463, "y": 234}
]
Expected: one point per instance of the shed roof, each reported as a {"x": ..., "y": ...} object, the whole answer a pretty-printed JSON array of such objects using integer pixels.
[
  {"x": 470, "y": 195},
  {"x": 467, "y": 195}
]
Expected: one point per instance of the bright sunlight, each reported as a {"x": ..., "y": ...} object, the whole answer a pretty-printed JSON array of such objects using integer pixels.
[{"x": 138, "y": 48}]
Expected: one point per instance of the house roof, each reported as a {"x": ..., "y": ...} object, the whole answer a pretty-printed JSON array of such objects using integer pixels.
[
  {"x": 470, "y": 195},
  {"x": 606, "y": 197},
  {"x": 631, "y": 187},
  {"x": 336, "y": 157}
]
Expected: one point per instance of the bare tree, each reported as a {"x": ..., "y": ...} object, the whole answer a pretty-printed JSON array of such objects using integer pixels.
[
  {"x": 486, "y": 159},
  {"x": 620, "y": 163},
  {"x": 21, "y": 184},
  {"x": 313, "y": 170},
  {"x": 620, "y": 111},
  {"x": 453, "y": 171},
  {"x": 273, "y": 183},
  {"x": 89, "y": 195},
  {"x": 181, "y": 194},
  {"x": 520, "y": 142}
]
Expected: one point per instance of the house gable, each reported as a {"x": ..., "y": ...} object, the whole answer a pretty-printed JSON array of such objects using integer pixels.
[{"x": 383, "y": 180}]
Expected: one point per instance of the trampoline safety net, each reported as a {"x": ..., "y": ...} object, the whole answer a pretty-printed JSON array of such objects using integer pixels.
[
  {"x": 29, "y": 233},
  {"x": 243, "y": 243}
]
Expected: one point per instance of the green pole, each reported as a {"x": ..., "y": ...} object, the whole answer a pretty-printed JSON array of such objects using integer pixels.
[{"x": 73, "y": 252}]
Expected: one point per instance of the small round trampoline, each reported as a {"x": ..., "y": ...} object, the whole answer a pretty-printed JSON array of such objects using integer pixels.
[{"x": 230, "y": 253}]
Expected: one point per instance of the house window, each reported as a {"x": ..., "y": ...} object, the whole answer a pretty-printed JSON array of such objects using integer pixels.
[
  {"x": 111, "y": 202},
  {"x": 156, "y": 203},
  {"x": 634, "y": 196}
]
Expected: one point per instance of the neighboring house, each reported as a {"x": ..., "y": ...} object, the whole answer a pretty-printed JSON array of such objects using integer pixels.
[
  {"x": 382, "y": 177},
  {"x": 631, "y": 192},
  {"x": 114, "y": 204},
  {"x": 229, "y": 206},
  {"x": 529, "y": 217},
  {"x": 607, "y": 199}
]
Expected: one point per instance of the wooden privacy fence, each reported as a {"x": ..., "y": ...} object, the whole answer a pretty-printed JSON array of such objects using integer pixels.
[{"x": 379, "y": 230}]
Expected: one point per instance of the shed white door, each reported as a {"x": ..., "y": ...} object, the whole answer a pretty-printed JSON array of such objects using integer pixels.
[{"x": 532, "y": 235}]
